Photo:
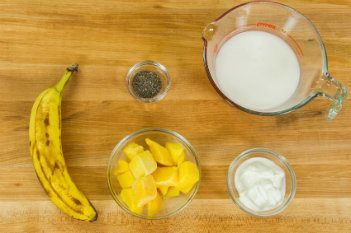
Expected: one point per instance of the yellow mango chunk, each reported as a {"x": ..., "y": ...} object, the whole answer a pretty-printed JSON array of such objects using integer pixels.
[
  {"x": 188, "y": 176},
  {"x": 160, "y": 153},
  {"x": 127, "y": 195},
  {"x": 163, "y": 189},
  {"x": 132, "y": 149},
  {"x": 173, "y": 192},
  {"x": 144, "y": 190},
  {"x": 166, "y": 176},
  {"x": 143, "y": 164},
  {"x": 122, "y": 166},
  {"x": 137, "y": 168},
  {"x": 148, "y": 161},
  {"x": 126, "y": 179},
  {"x": 177, "y": 152},
  {"x": 154, "y": 206}
]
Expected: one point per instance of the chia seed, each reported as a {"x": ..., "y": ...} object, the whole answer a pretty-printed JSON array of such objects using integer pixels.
[{"x": 146, "y": 84}]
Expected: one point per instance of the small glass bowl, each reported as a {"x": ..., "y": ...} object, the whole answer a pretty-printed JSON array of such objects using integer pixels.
[
  {"x": 154, "y": 67},
  {"x": 172, "y": 205},
  {"x": 290, "y": 179}
]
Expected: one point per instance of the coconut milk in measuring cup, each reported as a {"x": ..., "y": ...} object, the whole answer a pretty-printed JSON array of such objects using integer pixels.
[{"x": 268, "y": 59}]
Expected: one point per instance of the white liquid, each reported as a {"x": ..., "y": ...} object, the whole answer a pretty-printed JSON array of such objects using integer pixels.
[
  {"x": 260, "y": 184},
  {"x": 257, "y": 70}
]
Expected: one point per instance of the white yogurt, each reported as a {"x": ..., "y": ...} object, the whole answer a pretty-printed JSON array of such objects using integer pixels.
[{"x": 260, "y": 184}]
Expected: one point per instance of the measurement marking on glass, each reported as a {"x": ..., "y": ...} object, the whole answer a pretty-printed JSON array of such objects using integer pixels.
[{"x": 276, "y": 28}]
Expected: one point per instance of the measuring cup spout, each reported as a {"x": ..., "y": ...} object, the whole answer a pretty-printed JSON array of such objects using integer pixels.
[
  {"x": 209, "y": 31},
  {"x": 333, "y": 90}
]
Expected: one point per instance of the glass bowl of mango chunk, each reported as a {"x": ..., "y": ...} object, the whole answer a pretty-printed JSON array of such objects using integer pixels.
[{"x": 153, "y": 173}]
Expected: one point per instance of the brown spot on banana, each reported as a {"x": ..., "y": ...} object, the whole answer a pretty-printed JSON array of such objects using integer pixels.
[
  {"x": 79, "y": 212},
  {"x": 48, "y": 192},
  {"x": 47, "y": 135},
  {"x": 47, "y": 142},
  {"x": 56, "y": 166},
  {"x": 46, "y": 121},
  {"x": 76, "y": 201}
]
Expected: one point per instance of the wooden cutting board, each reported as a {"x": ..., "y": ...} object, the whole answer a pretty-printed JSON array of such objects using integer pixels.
[{"x": 38, "y": 39}]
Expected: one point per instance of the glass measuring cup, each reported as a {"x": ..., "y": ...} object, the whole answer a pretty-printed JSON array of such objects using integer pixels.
[{"x": 296, "y": 30}]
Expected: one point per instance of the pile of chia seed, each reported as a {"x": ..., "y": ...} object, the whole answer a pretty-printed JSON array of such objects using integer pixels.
[{"x": 146, "y": 84}]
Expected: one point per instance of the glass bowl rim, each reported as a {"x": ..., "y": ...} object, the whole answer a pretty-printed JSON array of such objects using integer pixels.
[
  {"x": 279, "y": 157},
  {"x": 139, "y": 132},
  {"x": 161, "y": 68}
]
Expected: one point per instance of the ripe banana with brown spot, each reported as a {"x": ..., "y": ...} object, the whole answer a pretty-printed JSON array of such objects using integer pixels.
[{"x": 47, "y": 156}]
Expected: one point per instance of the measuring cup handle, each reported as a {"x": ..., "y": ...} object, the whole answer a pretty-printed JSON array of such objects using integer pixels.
[{"x": 335, "y": 91}]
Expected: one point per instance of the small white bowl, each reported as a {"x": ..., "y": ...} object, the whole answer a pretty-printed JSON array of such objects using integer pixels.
[{"x": 279, "y": 160}]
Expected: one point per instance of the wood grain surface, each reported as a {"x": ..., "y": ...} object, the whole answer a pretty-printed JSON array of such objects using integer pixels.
[{"x": 38, "y": 39}]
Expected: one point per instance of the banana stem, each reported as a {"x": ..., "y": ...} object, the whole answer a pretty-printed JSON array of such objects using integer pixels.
[{"x": 66, "y": 77}]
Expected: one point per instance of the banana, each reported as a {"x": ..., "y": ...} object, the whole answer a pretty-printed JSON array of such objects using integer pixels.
[{"x": 47, "y": 156}]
